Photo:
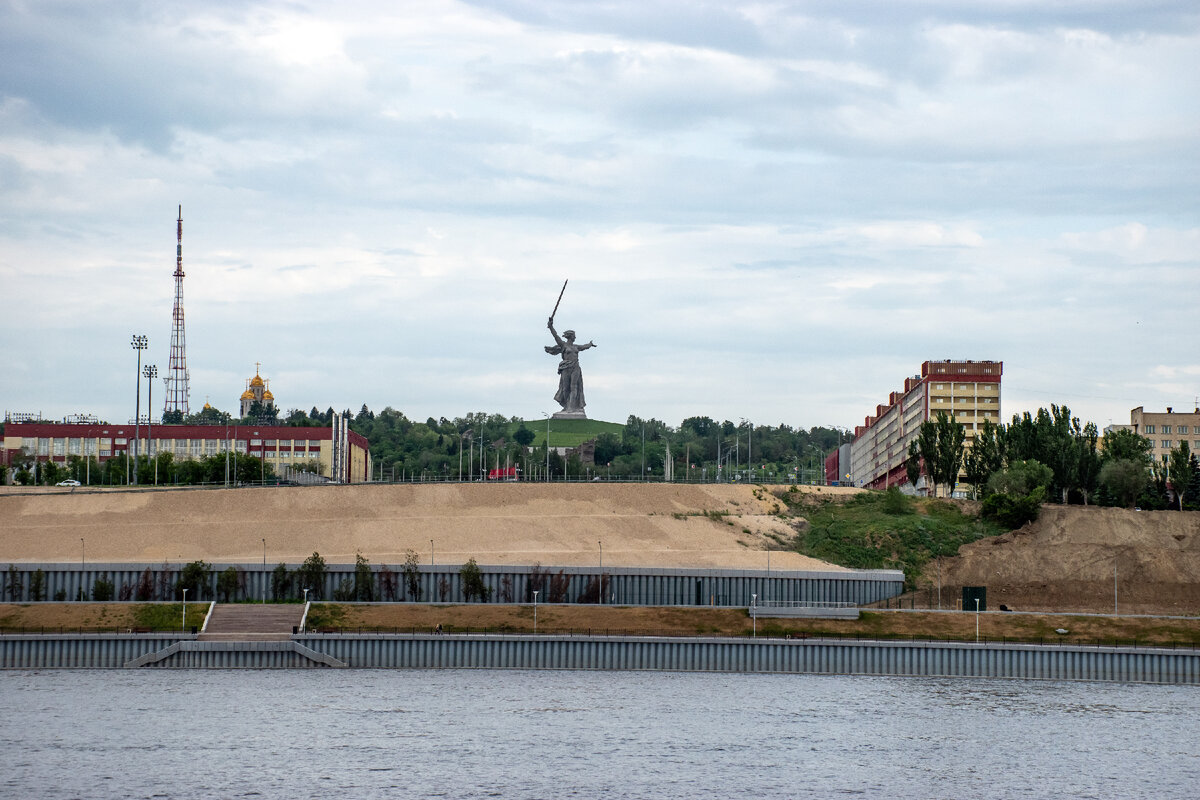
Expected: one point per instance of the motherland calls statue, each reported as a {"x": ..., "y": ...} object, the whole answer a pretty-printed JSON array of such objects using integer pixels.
[{"x": 570, "y": 377}]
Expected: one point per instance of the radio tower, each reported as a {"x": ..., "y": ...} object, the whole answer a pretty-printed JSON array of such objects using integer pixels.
[{"x": 177, "y": 371}]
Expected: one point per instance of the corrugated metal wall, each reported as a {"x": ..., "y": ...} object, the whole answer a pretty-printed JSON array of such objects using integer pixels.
[
  {"x": 1148, "y": 665},
  {"x": 623, "y": 585}
]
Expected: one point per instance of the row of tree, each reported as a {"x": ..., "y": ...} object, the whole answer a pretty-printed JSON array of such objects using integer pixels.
[
  {"x": 1051, "y": 451},
  {"x": 161, "y": 469},
  {"x": 699, "y": 447}
]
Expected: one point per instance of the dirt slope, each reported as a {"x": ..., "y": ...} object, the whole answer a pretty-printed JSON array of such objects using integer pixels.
[
  {"x": 1065, "y": 561},
  {"x": 556, "y": 524}
]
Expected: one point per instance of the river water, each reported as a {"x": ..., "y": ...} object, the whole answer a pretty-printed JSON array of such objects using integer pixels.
[{"x": 543, "y": 734}]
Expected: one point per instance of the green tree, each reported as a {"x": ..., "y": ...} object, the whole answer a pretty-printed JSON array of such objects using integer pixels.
[
  {"x": 984, "y": 457},
  {"x": 472, "y": 582},
  {"x": 311, "y": 575},
  {"x": 1088, "y": 461},
  {"x": 37, "y": 586},
  {"x": 364, "y": 580},
  {"x": 1179, "y": 470},
  {"x": 103, "y": 589},
  {"x": 1021, "y": 478},
  {"x": 912, "y": 464},
  {"x": 412, "y": 574},
  {"x": 523, "y": 436},
  {"x": 15, "y": 587},
  {"x": 194, "y": 578},
  {"x": 940, "y": 444},
  {"x": 1123, "y": 479},
  {"x": 1124, "y": 444},
  {"x": 227, "y": 584},
  {"x": 281, "y": 582}
]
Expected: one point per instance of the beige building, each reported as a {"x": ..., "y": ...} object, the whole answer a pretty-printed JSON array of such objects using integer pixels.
[
  {"x": 969, "y": 391},
  {"x": 1166, "y": 430},
  {"x": 345, "y": 457}
]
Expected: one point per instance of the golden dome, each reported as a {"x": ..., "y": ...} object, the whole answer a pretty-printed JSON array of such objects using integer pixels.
[
  {"x": 256, "y": 381},
  {"x": 267, "y": 396},
  {"x": 247, "y": 395},
  {"x": 206, "y": 406}
]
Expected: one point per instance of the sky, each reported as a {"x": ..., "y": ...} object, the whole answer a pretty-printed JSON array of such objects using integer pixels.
[{"x": 765, "y": 211}]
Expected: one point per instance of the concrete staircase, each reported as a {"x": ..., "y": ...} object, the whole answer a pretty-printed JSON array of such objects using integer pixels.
[{"x": 251, "y": 622}]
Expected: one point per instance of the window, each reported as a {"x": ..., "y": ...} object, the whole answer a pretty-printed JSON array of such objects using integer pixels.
[
  {"x": 121, "y": 440},
  {"x": 106, "y": 442},
  {"x": 105, "y": 452},
  {"x": 210, "y": 447},
  {"x": 1149, "y": 429},
  {"x": 60, "y": 447},
  {"x": 256, "y": 442},
  {"x": 1166, "y": 443},
  {"x": 89, "y": 447},
  {"x": 1166, "y": 428},
  {"x": 240, "y": 446},
  {"x": 74, "y": 446}
]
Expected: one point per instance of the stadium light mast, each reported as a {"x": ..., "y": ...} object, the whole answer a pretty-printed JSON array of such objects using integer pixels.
[{"x": 138, "y": 343}]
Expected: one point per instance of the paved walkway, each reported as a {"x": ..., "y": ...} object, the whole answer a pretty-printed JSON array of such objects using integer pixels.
[{"x": 252, "y": 622}]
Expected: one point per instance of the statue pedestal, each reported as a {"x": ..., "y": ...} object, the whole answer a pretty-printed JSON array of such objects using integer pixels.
[{"x": 569, "y": 415}]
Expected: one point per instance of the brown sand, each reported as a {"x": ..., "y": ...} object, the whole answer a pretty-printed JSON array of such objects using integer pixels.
[
  {"x": 663, "y": 525},
  {"x": 1065, "y": 561}
]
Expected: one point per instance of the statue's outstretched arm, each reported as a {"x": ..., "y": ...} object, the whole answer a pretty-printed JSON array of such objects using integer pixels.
[{"x": 554, "y": 333}]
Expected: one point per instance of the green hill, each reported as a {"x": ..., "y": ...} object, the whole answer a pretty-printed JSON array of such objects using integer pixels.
[{"x": 566, "y": 432}]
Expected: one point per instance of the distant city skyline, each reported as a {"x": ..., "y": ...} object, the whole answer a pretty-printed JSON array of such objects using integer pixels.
[{"x": 772, "y": 213}]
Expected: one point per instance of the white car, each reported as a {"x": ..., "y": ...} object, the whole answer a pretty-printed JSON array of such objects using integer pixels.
[{"x": 69, "y": 482}]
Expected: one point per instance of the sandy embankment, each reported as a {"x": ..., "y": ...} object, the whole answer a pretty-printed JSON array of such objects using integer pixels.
[{"x": 661, "y": 525}]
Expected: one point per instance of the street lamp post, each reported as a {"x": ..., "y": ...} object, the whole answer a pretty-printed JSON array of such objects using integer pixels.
[
  {"x": 753, "y": 615},
  {"x": 82, "y": 564},
  {"x": 183, "y": 622},
  {"x": 151, "y": 372},
  {"x": 138, "y": 343},
  {"x": 547, "y": 416},
  {"x": 976, "y": 620},
  {"x": 600, "y": 590},
  {"x": 535, "y": 594},
  {"x": 264, "y": 578},
  {"x": 306, "y": 597}
]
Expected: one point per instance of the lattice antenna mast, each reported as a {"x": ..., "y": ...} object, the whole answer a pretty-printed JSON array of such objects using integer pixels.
[{"x": 177, "y": 371}]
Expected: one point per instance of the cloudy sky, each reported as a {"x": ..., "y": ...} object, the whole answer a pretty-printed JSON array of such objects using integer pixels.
[{"x": 773, "y": 211}]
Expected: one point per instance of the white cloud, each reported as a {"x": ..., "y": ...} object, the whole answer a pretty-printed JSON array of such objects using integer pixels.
[{"x": 763, "y": 212}]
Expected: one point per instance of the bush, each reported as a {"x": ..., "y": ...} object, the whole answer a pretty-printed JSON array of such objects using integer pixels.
[
  {"x": 60, "y": 596},
  {"x": 895, "y": 503},
  {"x": 344, "y": 593},
  {"x": 1013, "y": 511}
]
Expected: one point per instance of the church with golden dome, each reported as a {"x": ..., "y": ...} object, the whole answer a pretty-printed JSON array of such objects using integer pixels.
[{"x": 257, "y": 390}]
